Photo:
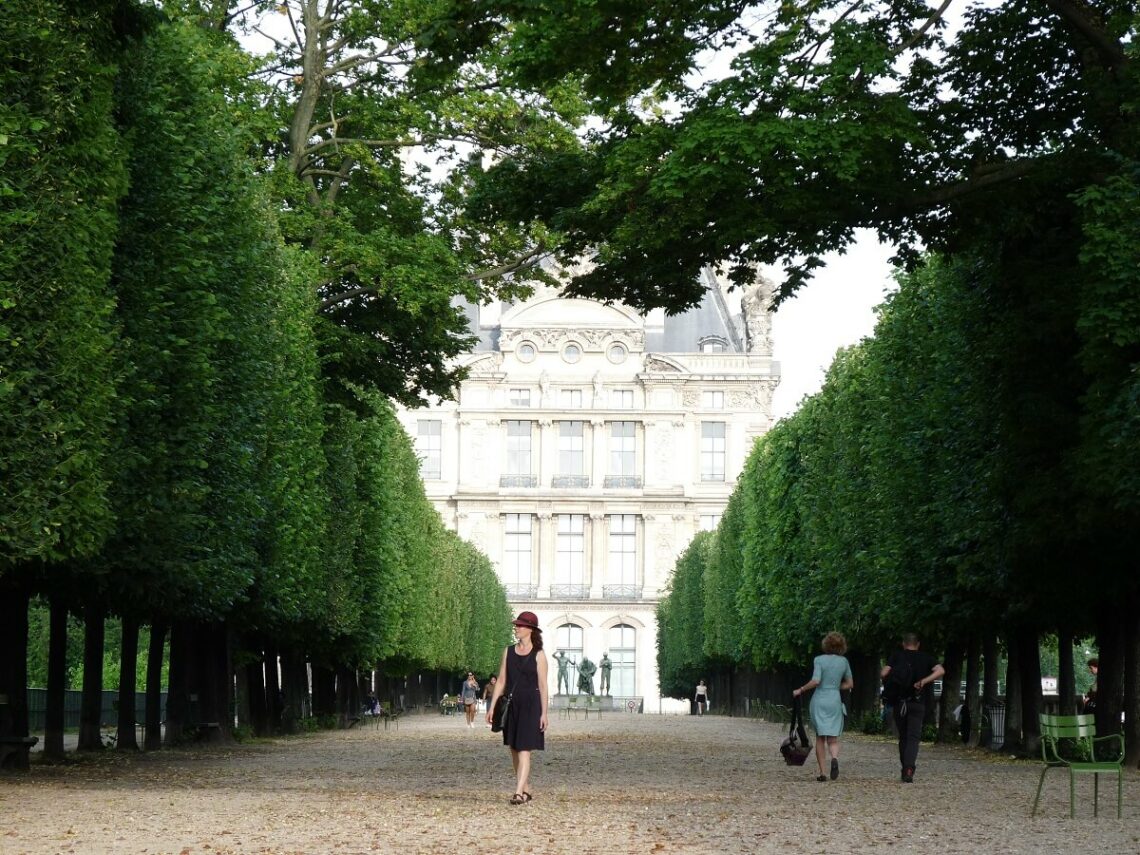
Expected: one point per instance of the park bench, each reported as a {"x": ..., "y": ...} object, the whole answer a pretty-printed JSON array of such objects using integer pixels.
[
  {"x": 14, "y": 751},
  {"x": 1070, "y": 741}
]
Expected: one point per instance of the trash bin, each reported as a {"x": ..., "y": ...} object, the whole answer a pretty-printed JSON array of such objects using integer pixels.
[{"x": 996, "y": 714}]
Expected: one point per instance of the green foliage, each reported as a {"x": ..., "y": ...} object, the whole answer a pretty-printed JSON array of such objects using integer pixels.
[{"x": 61, "y": 175}]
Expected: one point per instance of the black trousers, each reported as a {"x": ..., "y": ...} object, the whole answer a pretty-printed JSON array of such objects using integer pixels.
[{"x": 909, "y": 727}]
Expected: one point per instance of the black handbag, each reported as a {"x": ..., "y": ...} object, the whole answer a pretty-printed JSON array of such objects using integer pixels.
[
  {"x": 795, "y": 747},
  {"x": 499, "y": 714}
]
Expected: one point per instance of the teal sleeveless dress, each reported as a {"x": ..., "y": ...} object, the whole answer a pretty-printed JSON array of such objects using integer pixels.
[{"x": 826, "y": 706}]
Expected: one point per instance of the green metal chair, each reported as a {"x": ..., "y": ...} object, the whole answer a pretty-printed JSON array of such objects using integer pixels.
[{"x": 1070, "y": 741}]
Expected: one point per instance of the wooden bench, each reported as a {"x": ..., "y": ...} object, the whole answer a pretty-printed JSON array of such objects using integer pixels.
[
  {"x": 14, "y": 751},
  {"x": 1070, "y": 741}
]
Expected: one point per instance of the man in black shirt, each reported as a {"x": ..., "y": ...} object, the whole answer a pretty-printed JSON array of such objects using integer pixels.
[{"x": 910, "y": 708}]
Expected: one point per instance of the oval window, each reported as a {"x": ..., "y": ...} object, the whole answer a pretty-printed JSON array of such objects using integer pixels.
[
  {"x": 526, "y": 352},
  {"x": 571, "y": 353}
]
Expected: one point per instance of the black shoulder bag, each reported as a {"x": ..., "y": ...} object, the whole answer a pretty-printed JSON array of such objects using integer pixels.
[
  {"x": 499, "y": 714},
  {"x": 795, "y": 746}
]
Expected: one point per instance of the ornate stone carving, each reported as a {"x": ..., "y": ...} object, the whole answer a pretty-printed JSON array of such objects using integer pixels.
[
  {"x": 653, "y": 363},
  {"x": 552, "y": 338},
  {"x": 756, "y": 305},
  {"x": 690, "y": 398}
]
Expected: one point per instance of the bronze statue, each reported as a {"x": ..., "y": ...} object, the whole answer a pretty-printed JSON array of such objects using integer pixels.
[
  {"x": 586, "y": 670},
  {"x": 606, "y": 666},
  {"x": 563, "y": 671}
]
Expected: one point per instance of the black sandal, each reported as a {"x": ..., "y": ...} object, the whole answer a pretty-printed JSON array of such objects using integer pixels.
[
  {"x": 528, "y": 796},
  {"x": 518, "y": 799},
  {"x": 822, "y": 778}
]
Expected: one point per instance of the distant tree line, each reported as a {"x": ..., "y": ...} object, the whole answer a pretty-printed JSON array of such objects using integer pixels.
[{"x": 935, "y": 484}]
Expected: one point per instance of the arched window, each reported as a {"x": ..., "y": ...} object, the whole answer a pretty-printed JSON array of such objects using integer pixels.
[
  {"x": 623, "y": 653},
  {"x": 568, "y": 639}
]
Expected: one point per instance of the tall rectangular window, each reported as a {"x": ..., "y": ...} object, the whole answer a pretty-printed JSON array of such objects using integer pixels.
[
  {"x": 429, "y": 448},
  {"x": 622, "y": 643},
  {"x": 623, "y": 549},
  {"x": 713, "y": 400},
  {"x": 623, "y": 449},
  {"x": 517, "y": 550},
  {"x": 712, "y": 451},
  {"x": 570, "y": 558},
  {"x": 571, "y": 448},
  {"x": 518, "y": 448},
  {"x": 570, "y": 399},
  {"x": 621, "y": 399},
  {"x": 519, "y": 397},
  {"x": 709, "y": 522}
]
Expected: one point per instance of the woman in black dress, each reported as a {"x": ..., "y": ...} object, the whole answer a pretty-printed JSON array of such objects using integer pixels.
[{"x": 522, "y": 675}]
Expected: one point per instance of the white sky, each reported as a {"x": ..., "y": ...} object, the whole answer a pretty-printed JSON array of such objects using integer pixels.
[{"x": 835, "y": 309}]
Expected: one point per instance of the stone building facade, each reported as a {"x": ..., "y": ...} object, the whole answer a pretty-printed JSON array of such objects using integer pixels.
[{"x": 587, "y": 447}]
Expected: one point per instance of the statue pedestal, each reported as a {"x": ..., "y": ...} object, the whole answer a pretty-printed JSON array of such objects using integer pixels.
[{"x": 601, "y": 702}]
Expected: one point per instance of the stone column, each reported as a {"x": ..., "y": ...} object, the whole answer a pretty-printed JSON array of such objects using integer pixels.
[
  {"x": 596, "y": 557},
  {"x": 547, "y": 532},
  {"x": 547, "y": 451},
  {"x": 598, "y": 454}
]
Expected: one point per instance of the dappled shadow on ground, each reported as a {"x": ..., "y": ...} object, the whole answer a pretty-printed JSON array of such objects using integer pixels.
[{"x": 620, "y": 784}]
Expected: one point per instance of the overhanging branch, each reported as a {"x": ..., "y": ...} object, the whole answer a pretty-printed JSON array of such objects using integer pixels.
[{"x": 1083, "y": 19}]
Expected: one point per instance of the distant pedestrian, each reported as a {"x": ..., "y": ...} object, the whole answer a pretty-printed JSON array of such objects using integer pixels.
[
  {"x": 488, "y": 693},
  {"x": 701, "y": 696},
  {"x": 522, "y": 674},
  {"x": 831, "y": 674},
  {"x": 1089, "y": 706},
  {"x": 908, "y": 682},
  {"x": 469, "y": 694}
]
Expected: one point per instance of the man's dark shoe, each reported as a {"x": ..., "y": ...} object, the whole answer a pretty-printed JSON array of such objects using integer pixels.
[{"x": 908, "y": 776}]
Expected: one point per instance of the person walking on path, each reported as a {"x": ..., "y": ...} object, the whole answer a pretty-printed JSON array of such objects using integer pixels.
[
  {"x": 911, "y": 691},
  {"x": 522, "y": 674},
  {"x": 701, "y": 696},
  {"x": 488, "y": 692},
  {"x": 831, "y": 674},
  {"x": 469, "y": 695}
]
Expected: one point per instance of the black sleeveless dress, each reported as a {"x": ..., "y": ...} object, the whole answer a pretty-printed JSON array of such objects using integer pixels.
[{"x": 522, "y": 732}]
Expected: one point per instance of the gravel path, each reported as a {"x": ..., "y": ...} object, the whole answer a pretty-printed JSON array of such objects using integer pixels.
[{"x": 624, "y": 784}]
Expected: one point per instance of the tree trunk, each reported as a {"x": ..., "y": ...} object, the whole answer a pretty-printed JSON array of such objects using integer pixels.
[
  {"x": 949, "y": 729},
  {"x": 177, "y": 692},
  {"x": 324, "y": 692},
  {"x": 91, "y": 707},
  {"x": 14, "y": 667},
  {"x": 1131, "y": 637},
  {"x": 255, "y": 687},
  {"x": 155, "y": 658},
  {"x": 273, "y": 695},
  {"x": 1012, "y": 695},
  {"x": 1066, "y": 675},
  {"x": 990, "y": 663},
  {"x": 1029, "y": 662},
  {"x": 348, "y": 702},
  {"x": 295, "y": 689},
  {"x": 1110, "y": 672},
  {"x": 128, "y": 686},
  {"x": 54, "y": 722},
  {"x": 210, "y": 682},
  {"x": 973, "y": 699}
]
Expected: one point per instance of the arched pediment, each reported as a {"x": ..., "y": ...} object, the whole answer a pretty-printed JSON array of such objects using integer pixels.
[{"x": 570, "y": 313}]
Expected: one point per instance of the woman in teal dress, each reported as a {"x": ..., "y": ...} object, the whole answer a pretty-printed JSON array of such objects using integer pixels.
[{"x": 831, "y": 675}]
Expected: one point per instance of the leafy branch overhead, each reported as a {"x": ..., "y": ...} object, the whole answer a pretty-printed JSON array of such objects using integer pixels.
[
  {"x": 832, "y": 116},
  {"x": 369, "y": 144}
]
